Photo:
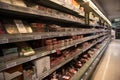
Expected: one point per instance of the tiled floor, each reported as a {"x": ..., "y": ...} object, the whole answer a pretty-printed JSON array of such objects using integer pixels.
[{"x": 109, "y": 67}]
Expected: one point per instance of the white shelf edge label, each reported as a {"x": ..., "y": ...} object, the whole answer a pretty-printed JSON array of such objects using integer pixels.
[
  {"x": 3, "y": 40},
  {"x": 72, "y": 34},
  {"x": 53, "y": 51},
  {"x": 60, "y": 34},
  {"x": 11, "y": 64},
  {"x": 37, "y": 37},
  {"x": 90, "y": 68},
  {"x": 33, "y": 57},
  {"x": 75, "y": 45},
  {"x": 86, "y": 73}
]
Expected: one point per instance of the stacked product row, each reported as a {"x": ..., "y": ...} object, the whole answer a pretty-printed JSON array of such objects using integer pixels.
[
  {"x": 70, "y": 69},
  {"x": 34, "y": 69},
  {"x": 15, "y": 26}
]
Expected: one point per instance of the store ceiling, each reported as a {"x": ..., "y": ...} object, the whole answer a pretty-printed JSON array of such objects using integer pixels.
[{"x": 111, "y": 8}]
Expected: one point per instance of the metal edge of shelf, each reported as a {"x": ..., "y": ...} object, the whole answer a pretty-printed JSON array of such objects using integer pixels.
[
  {"x": 82, "y": 70},
  {"x": 22, "y": 60},
  {"x": 17, "y": 10},
  {"x": 64, "y": 62},
  {"x": 8, "y": 38},
  {"x": 95, "y": 62}
]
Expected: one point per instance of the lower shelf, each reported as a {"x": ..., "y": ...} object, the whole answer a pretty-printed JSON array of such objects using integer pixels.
[
  {"x": 94, "y": 64},
  {"x": 68, "y": 60},
  {"x": 82, "y": 74}
]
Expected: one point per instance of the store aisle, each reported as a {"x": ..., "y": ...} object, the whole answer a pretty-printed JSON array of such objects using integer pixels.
[{"x": 109, "y": 67}]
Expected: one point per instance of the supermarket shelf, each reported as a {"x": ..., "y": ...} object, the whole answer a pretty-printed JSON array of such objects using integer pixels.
[
  {"x": 82, "y": 71},
  {"x": 8, "y": 38},
  {"x": 94, "y": 63},
  {"x": 65, "y": 61},
  {"x": 70, "y": 17},
  {"x": 45, "y": 74},
  {"x": 29, "y": 13},
  {"x": 41, "y": 53},
  {"x": 78, "y": 42},
  {"x": 62, "y": 6}
]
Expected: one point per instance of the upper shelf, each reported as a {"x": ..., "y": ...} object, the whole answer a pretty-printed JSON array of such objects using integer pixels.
[
  {"x": 13, "y": 11},
  {"x": 60, "y": 5},
  {"x": 94, "y": 63},
  {"x": 81, "y": 72},
  {"x": 33, "y": 14}
]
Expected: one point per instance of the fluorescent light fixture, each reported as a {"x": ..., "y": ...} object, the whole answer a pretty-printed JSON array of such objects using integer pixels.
[{"x": 93, "y": 6}]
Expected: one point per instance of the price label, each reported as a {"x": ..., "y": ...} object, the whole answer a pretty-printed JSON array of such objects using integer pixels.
[
  {"x": 60, "y": 35},
  {"x": 9, "y": 65},
  {"x": 33, "y": 57},
  {"x": 14, "y": 39},
  {"x": 86, "y": 73},
  {"x": 27, "y": 37},
  {"x": 53, "y": 51},
  {"x": 90, "y": 68},
  {"x": 37, "y": 37},
  {"x": 97, "y": 59},
  {"x": 75, "y": 45},
  {"x": 3, "y": 40},
  {"x": 53, "y": 35},
  {"x": 72, "y": 34}
]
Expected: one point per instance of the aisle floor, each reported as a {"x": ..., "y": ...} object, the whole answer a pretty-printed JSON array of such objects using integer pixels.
[{"x": 109, "y": 66}]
